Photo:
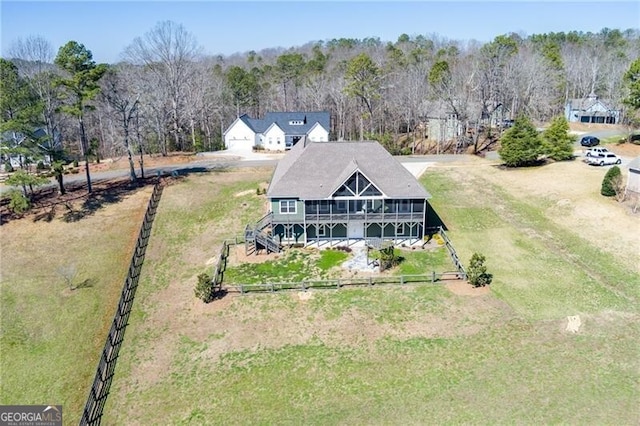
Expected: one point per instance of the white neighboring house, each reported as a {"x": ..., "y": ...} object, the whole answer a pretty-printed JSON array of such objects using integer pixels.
[
  {"x": 277, "y": 131},
  {"x": 590, "y": 110},
  {"x": 633, "y": 180}
]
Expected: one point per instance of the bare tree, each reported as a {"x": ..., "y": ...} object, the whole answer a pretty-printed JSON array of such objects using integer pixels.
[
  {"x": 35, "y": 56},
  {"x": 124, "y": 101},
  {"x": 169, "y": 51}
]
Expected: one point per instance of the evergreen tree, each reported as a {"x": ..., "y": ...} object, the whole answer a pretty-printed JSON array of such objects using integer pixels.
[
  {"x": 610, "y": 183},
  {"x": 477, "y": 274},
  {"x": 558, "y": 144},
  {"x": 520, "y": 145},
  {"x": 82, "y": 87},
  {"x": 19, "y": 111},
  {"x": 632, "y": 83}
]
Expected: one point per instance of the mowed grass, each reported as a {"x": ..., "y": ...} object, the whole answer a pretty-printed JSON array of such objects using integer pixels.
[
  {"x": 543, "y": 270},
  {"x": 51, "y": 337},
  {"x": 387, "y": 355}
]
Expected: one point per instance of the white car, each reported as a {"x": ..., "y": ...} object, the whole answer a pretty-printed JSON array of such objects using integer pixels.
[
  {"x": 605, "y": 159},
  {"x": 597, "y": 152}
]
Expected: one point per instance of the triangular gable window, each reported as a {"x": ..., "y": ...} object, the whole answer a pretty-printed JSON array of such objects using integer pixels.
[{"x": 357, "y": 186}]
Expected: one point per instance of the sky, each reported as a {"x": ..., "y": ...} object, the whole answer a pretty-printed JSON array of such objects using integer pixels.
[{"x": 225, "y": 27}]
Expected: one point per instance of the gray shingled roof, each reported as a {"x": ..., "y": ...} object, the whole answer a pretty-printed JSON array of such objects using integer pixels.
[
  {"x": 315, "y": 170},
  {"x": 282, "y": 119}
]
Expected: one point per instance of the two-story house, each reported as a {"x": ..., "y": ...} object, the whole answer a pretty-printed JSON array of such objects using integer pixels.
[
  {"x": 277, "y": 131},
  {"x": 344, "y": 191}
]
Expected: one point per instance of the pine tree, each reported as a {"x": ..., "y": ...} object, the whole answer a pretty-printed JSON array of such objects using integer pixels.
[
  {"x": 520, "y": 145},
  {"x": 557, "y": 143}
]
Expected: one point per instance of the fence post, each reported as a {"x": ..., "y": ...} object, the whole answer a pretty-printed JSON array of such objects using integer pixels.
[{"x": 433, "y": 277}]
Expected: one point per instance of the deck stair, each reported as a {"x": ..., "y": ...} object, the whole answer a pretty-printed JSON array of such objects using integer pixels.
[{"x": 257, "y": 237}]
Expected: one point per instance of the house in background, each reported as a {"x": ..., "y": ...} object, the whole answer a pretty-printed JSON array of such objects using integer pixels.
[
  {"x": 336, "y": 192},
  {"x": 590, "y": 110},
  {"x": 277, "y": 131},
  {"x": 633, "y": 180}
]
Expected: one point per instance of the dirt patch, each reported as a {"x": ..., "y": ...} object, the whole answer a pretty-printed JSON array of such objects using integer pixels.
[{"x": 463, "y": 288}]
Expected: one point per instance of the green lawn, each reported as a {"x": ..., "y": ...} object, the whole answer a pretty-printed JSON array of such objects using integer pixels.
[
  {"x": 402, "y": 355},
  {"x": 385, "y": 355},
  {"x": 51, "y": 336}
]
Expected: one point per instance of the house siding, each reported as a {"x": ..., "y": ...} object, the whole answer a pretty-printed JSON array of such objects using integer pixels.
[
  {"x": 274, "y": 139},
  {"x": 240, "y": 136},
  {"x": 633, "y": 182},
  {"x": 318, "y": 134},
  {"x": 297, "y": 217}
]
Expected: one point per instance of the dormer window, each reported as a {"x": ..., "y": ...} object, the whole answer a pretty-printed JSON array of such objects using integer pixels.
[{"x": 296, "y": 122}]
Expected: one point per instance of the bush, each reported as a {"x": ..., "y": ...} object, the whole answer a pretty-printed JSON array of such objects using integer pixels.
[
  {"x": 18, "y": 202},
  {"x": 75, "y": 163},
  {"x": 477, "y": 273},
  {"x": 388, "y": 258},
  {"x": 204, "y": 288},
  {"x": 41, "y": 166},
  {"x": 610, "y": 182},
  {"x": 8, "y": 167}
]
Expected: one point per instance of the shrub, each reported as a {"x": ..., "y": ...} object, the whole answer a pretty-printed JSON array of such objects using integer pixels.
[
  {"x": 75, "y": 163},
  {"x": 8, "y": 167},
  {"x": 41, "y": 166},
  {"x": 204, "y": 288},
  {"x": 388, "y": 258},
  {"x": 477, "y": 273},
  {"x": 609, "y": 183},
  {"x": 345, "y": 249},
  {"x": 18, "y": 202}
]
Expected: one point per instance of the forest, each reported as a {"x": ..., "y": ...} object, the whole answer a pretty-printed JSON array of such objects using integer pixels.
[{"x": 165, "y": 95}]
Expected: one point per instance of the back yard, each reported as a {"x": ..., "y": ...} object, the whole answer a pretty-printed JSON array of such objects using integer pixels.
[{"x": 402, "y": 355}]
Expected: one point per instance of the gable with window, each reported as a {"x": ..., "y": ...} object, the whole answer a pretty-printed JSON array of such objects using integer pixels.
[{"x": 358, "y": 186}]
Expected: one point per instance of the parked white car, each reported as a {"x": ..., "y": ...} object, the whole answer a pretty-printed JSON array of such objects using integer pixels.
[
  {"x": 605, "y": 159},
  {"x": 597, "y": 151}
]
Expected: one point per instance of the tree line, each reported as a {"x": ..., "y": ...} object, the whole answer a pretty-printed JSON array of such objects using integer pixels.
[{"x": 165, "y": 95}]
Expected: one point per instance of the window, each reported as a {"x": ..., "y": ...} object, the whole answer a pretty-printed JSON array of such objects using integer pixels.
[
  {"x": 404, "y": 206},
  {"x": 357, "y": 186},
  {"x": 322, "y": 230},
  {"x": 341, "y": 206},
  {"x": 270, "y": 140},
  {"x": 324, "y": 207},
  {"x": 278, "y": 141},
  {"x": 400, "y": 229},
  {"x": 287, "y": 206}
]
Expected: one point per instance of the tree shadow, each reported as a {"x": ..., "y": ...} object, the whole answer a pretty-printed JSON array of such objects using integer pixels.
[
  {"x": 88, "y": 283},
  {"x": 46, "y": 215},
  {"x": 112, "y": 192}
]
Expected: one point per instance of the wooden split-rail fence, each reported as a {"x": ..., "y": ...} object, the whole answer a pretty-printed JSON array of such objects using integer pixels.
[
  {"x": 433, "y": 277},
  {"x": 99, "y": 392}
]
